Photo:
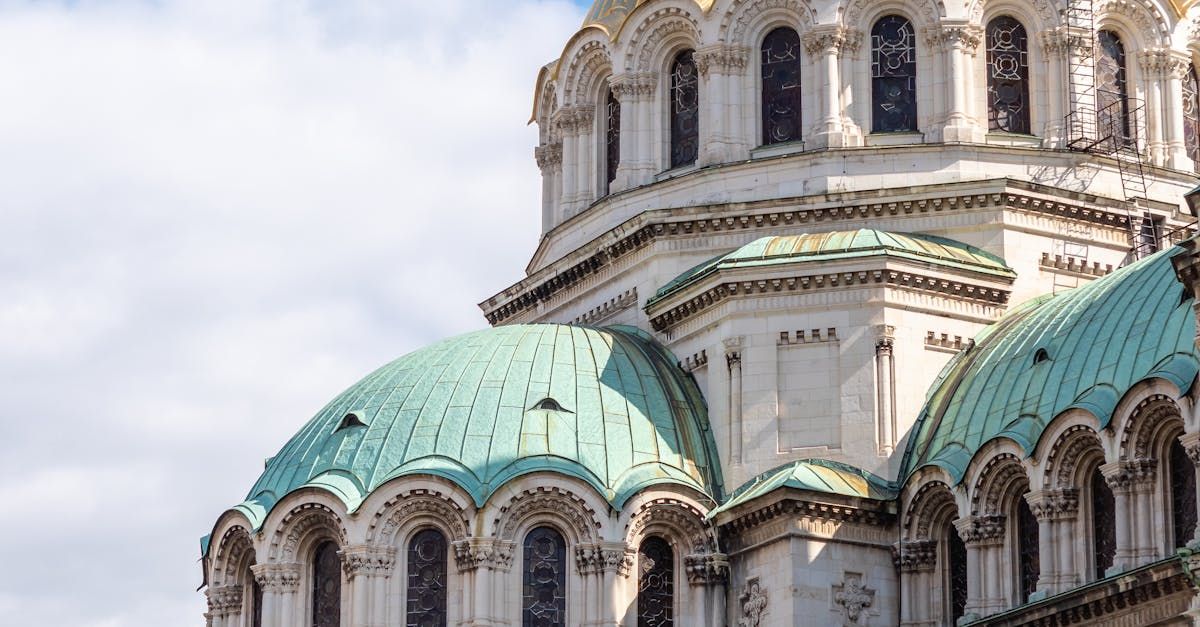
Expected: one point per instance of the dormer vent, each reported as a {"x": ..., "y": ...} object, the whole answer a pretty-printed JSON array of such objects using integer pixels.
[
  {"x": 352, "y": 419},
  {"x": 549, "y": 404}
]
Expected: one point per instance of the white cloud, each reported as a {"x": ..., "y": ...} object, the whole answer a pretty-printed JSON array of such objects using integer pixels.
[{"x": 215, "y": 216}]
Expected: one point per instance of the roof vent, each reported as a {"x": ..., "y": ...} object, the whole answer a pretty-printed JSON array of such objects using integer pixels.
[
  {"x": 352, "y": 419},
  {"x": 549, "y": 404},
  {"x": 1040, "y": 356}
]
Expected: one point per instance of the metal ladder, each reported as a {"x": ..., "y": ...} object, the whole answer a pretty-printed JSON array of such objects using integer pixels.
[{"x": 1112, "y": 130}]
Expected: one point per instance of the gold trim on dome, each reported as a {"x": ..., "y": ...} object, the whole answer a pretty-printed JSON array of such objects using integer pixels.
[
  {"x": 1182, "y": 7},
  {"x": 611, "y": 15}
]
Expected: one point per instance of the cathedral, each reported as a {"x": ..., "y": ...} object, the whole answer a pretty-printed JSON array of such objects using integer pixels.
[{"x": 844, "y": 312}]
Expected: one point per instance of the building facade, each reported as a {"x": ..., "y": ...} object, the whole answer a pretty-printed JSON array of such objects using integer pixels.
[{"x": 844, "y": 313}]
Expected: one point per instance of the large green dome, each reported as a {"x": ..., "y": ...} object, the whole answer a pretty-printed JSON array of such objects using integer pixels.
[{"x": 608, "y": 406}]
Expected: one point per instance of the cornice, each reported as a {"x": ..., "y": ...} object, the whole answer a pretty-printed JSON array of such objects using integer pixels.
[
  {"x": 796, "y": 506},
  {"x": 640, "y": 231}
]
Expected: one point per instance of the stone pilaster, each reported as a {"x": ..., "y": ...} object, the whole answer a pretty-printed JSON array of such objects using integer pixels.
[
  {"x": 1056, "y": 511},
  {"x": 959, "y": 42},
  {"x": 1191, "y": 445},
  {"x": 917, "y": 562},
  {"x": 224, "y": 605},
  {"x": 885, "y": 392},
  {"x": 480, "y": 559},
  {"x": 635, "y": 91},
  {"x": 280, "y": 584},
  {"x": 986, "y": 572},
  {"x": 733, "y": 357},
  {"x": 720, "y": 67},
  {"x": 824, "y": 45},
  {"x": 367, "y": 570}
]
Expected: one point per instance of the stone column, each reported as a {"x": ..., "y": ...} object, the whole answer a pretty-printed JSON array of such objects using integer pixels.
[
  {"x": 720, "y": 66},
  {"x": 1154, "y": 71},
  {"x": 549, "y": 161},
  {"x": 367, "y": 569},
  {"x": 586, "y": 171},
  {"x": 1191, "y": 444},
  {"x": 708, "y": 575},
  {"x": 1177, "y": 66},
  {"x": 733, "y": 357},
  {"x": 1054, "y": 82},
  {"x": 960, "y": 40},
  {"x": 625, "y": 89},
  {"x": 1145, "y": 477},
  {"x": 615, "y": 563},
  {"x": 1055, "y": 510},
  {"x": 1120, "y": 479},
  {"x": 1081, "y": 107},
  {"x": 225, "y": 606},
  {"x": 280, "y": 584},
  {"x": 917, "y": 562},
  {"x": 823, "y": 44},
  {"x": 856, "y": 88},
  {"x": 886, "y": 407},
  {"x": 564, "y": 122}
]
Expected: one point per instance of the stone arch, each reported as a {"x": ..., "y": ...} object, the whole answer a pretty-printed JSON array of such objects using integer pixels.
[
  {"x": 674, "y": 519},
  {"x": 414, "y": 507},
  {"x": 1147, "y": 421},
  {"x": 589, "y": 63},
  {"x": 1140, "y": 22},
  {"x": 1074, "y": 450},
  {"x": 1045, "y": 12},
  {"x": 660, "y": 32},
  {"x": 932, "y": 506},
  {"x": 232, "y": 556},
  {"x": 546, "y": 105},
  {"x": 997, "y": 484},
  {"x": 927, "y": 12},
  {"x": 302, "y": 528},
  {"x": 742, "y": 23},
  {"x": 577, "y": 519}
]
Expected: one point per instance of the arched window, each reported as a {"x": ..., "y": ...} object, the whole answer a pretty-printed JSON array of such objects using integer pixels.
[
  {"x": 894, "y": 76},
  {"x": 685, "y": 110},
  {"x": 427, "y": 579},
  {"x": 1027, "y": 551},
  {"x": 1191, "y": 116},
  {"x": 1183, "y": 494},
  {"x": 545, "y": 576},
  {"x": 781, "y": 94},
  {"x": 1008, "y": 76},
  {"x": 656, "y": 584},
  {"x": 612, "y": 135},
  {"x": 1112, "y": 90},
  {"x": 1104, "y": 524},
  {"x": 956, "y": 567},
  {"x": 256, "y": 595},
  {"x": 327, "y": 586}
]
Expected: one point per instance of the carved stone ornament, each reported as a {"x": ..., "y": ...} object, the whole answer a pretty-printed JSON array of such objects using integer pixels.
[
  {"x": 978, "y": 530},
  {"x": 224, "y": 600},
  {"x": 722, "y": 59},
  {"x": 915, "y": 555},
  {"x": 824, "y": 40},
  {"x": 753, "y": 603},
  {"x": 368, "y": 560},
  {"x": 1061, "y": 504},
  {"x": 707, "y": 569},
  {"x": 277, "y": 577},
  {"x": 854, "y": 598},
  {"x": 474, "y": 553}
]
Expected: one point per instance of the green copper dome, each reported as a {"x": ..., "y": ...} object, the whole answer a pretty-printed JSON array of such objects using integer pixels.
[
  {"x": 843, "y": 245},
  {"x": 814, "y": 475},
  {"x": 608, "y": 406},
  {"x": 1085, "y": 348}
]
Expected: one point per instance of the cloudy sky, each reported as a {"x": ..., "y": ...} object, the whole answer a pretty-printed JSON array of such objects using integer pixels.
[{"x": 215, "y": 215}]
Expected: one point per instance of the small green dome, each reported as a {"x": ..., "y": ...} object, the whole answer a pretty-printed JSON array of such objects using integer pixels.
[
  {"x": 608, "y": 406},
  {"x": 843, "y": 245},
  {"x": 1085, "y": 348},
  {"x": 814, "y": 475}
]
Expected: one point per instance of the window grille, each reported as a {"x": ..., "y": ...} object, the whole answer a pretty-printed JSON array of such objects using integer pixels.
[
  {"x": 327, "y": 586},
  {"x": 613, "y": 139},
  {"x": 545, "y": 579},
  {"x": 1027, "y": 550},
  {"x": 1183, "y": 494},
  {"x": 1104, "y": 525},
  {"x": 426, "y": 592},
  {"x": 1191, "y": 116},
  {"x": 781, "y": 95},
  {"x": 894, "y": 75},
  {"x": 1112, "y": 90},
  {"x": 656, "y": 584},
  {"x": 685, "y": 110},
  {"x": 1008, "y": 76}
]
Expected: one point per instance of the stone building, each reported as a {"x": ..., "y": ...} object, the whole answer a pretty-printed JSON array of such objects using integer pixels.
[{"x": 858, "y": 312}]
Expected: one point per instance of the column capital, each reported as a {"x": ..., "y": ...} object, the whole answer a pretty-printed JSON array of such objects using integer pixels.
[
  {"x": 1164, "y": 63},
  {"x": 962, "y": 35},
  {"x": 707, "y": 569},
  {"x": 548, "y": 156},
  {"x": 1131, "y": 475},
  {"x": 368, "y": 560},
  {"x": 1191, "y": 446},
  {"x": 277, "y": 577},
  {"x": 981, "y": 530},
  {"x": 825, "y": 40},
  {"x": 914, "y": 555},
  {"x": 733, "y": 350},
  {"x": 633, "y": 85},
  {"x": 616, "y": 557},
  {"x": 1058, "y": 504},
  {"x": 224, "y": 600},
  {"x": 474, "y": 553},
  {"x": 722, "y": 59}
]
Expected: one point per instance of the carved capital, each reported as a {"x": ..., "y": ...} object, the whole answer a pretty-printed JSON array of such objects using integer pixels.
[
  {"x": 1164, "y": 63},
  {"x": 1061, "y": 504},
  {"x": 722, "y": 59},
  {"x": 367, "y": 560},
  {"x": 633, "y": 85},
  {"x": 473, "y": 553},
  {"x": 224, "y": 601},
  {"x": 1191, "y": 445},
  {"x": 616, "y": 557},
  {"x": 824, "y": 40},
  {"x": 1129, "y": 476},
  {"x": 707, "y": 569},
  {"x": 548, "y": 156},
  {"x": 277, "y": 577},
  {"x": 960, "y": 35},
  {"x": 733, "y": 351},
  {"x": 914, "y": 556},
  {"x": 981, "y": 530}
]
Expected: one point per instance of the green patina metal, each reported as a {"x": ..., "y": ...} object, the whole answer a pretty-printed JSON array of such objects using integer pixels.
[
  {"x": 844, "y": 245},
  {"x": 1081, "y": 349},
  {"x": 814, "y": 475},
  {"x": 621, "y": 416}
]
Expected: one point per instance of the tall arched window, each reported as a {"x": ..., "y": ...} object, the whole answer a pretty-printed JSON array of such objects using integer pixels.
[
  {"x": 685, "y": 110},
  {"x": 612, "y": 135},
  {"x": 894, "y": 75},
  {"x": 1112, "y": 90},
  {"x": 1191, "y": 116},
  {"x": 544, "y": 601},
  {"x": 781, "y": 95},
  {"x": 1008, "y": 76},
  {"x": 656, "y": 584},
  {"x": 956, "y": 567},
  {"x": 1183, "y": 494},
  {"x": 1104, "y": 524},
  {"x": 327, "y": 586},
  {"x": 1027, "y": 551},
  {"x": 426, "y": 592}
]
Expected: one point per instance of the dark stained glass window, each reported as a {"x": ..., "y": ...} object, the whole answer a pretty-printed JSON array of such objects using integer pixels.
[
  {"x": 957, "y": 565},
  {"x": 612, "y": 138},
  {"x": 1104, "y": 524},
  {"x": 545, "y": 579},
  {"x": 781, "y": 93},
  {"x": 894, "y": 75},
  {"x": 427, "y": 579},
  {"x": 327, "y": 586},
  {"x": 656, "y": 584},
  {"x": 256, "y": 593},
  {"x": 1008, "y": 76},
  {"x": 1183, "y": 494},
  {"x": 685, "y": 110},
  {"x": 1027, "y": 551},
  {"x": 1191, "y": 115},
  {"x": 1112, "y": 90}
]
